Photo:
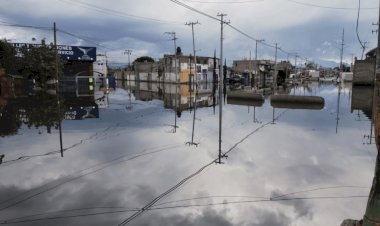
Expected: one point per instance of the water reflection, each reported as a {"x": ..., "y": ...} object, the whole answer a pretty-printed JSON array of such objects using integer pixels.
[{"x": 126, "y": 162}]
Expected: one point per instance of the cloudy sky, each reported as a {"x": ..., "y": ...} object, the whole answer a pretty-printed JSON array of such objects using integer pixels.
[{"x": 311, "y": 28}]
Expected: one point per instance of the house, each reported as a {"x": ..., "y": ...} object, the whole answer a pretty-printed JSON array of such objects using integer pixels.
[
  {"x": 364, "y": 70},
  {"x": 181, "y": 71},
  {"x": 261, "y": 70}
]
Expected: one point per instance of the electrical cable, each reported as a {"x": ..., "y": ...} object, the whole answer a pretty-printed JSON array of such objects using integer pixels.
[
  {"x": 17, "y": 220},
  {"x": 183, "y": 181},
  {"x": 25, "y": 26},
  {"x": 114, "y": 12},
  {"x": 71, "y": 178},
  {"x": 328, "y": 7},
  {"x": 195, "y": 10},
  {"x": 227, "y": 2},
  {"x": 357, "y": 29}
]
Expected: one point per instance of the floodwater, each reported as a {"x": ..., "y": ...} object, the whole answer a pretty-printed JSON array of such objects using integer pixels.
[{"x": 141, "y": 157}]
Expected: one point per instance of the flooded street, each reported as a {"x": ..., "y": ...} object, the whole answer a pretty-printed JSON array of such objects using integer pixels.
[{"x": 140, "y": 158}]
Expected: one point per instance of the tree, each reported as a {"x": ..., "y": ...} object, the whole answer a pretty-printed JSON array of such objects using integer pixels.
[
  {"x": 144, "y": 59},
  {"x": 39, "y": 63},
  {"x": 311, "y": 66},
  {"x": 179, "y": 51},
  {"x": 8, "y": 59}
]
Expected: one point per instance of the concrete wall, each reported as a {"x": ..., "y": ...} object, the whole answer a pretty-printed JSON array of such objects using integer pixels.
[{"x": 364, "y": 72}]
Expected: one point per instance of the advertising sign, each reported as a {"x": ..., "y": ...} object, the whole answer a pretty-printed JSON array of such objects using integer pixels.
[
  {"x": 82, "y": 112},
  {"x": 74, "y": 53}
]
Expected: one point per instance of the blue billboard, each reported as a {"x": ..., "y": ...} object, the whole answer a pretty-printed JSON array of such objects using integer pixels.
[{"x": 72, "y": 53}]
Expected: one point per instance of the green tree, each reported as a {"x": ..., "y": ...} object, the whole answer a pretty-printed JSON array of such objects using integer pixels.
[
  {"x": 144, "y": 59},
  {"x": 39, "y": 63},
  {"x": 8, "y": 59}
]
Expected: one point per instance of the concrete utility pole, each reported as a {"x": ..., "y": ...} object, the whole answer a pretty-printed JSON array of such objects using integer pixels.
[
  {"x": 129, "y": 52},
  {"x": 371, "y": 216},
  {"x": 259, "y": 40},
  {"x": 222, "y": 22},
  {"x": 57, "y": 88},
  {"x": 174, "y": 38},
  {"x": 194, "y": 83},
  {"x": 275, "y": 69},
  {"x": 257, "y": 65},
  {"x": 378, "y": 49},
  {"x": 341, "y": 52}
]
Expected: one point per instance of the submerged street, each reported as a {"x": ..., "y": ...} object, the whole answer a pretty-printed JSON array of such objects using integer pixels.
[{"x": 292, "y": 165}]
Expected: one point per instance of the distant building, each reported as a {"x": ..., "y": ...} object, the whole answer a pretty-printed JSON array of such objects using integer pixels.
[
  {"x": 165, "y": 69},
  {"x": 260, "y": 70}
]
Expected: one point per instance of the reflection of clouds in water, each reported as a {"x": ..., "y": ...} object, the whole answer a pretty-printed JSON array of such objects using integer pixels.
[
  {"x": 287, "y": 156},
  {"x": 301, "y": 207}
]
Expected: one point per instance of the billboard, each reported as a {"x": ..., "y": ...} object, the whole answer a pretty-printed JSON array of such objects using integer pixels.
[{"x": 72, "y": 53}]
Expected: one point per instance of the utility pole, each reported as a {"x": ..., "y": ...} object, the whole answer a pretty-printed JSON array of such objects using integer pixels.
[
  {"x": 129, "y": 52},
  {"x": 222, "y": 22},
  {"x": 174, "y": 38},
  {"x": 364, "y": 47},
  {"x": 341, "y": 53},
  {"x": 57, "y": 88},
  {"x": 378, "y": 50},
  {"x": 275, "y": 69},
  {"x": 259, "y": 40},
  {"x": 194, "y": 83},
  {"x": 257, "y": 65}
]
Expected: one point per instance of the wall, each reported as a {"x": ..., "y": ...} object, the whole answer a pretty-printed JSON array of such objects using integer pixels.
[{"x": 364, "y": 72}]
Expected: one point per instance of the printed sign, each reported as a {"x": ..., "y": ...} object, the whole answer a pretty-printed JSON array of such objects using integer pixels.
[
  {"x": 83, "y": 112},
  {"x": 74, "y": 53}
]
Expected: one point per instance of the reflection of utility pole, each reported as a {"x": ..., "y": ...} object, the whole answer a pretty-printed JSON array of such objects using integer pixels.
[
  {"x": 222, "y": 22},
  {"x": 338, "y": 108},
  {"x": 195, "y": 83},
  {"x": 57, "y": 89},
  {"x": 254, "y": 115},
  {"x": 175, "y": 108}
]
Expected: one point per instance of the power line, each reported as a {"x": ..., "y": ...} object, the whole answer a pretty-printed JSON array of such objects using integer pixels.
[
  {"x": 233, "y": 27},
  {"x": 17, "y": 220},
  {"x": 73, "y": 177},
  {"x": 227, "y": 2},
  {"x": 114, "y": 12},
  {"x": 363, "y": 44},
  {"x": 150, "y": 204},
  {"x": 195, "y": 10},
  {"x": 25, "y": 26},
  {"x": 329, "y": 7}
]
